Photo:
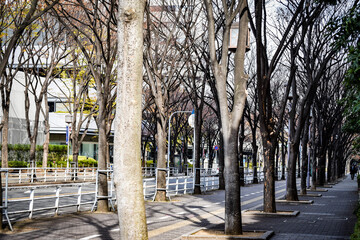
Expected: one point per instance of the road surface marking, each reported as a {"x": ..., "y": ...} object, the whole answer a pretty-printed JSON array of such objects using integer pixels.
[
  {"x": 165, "y": 217},
  {"x": 90, "y": 237},
  {"x": 198, "y": 219},
  {"x": 115, "y": 230}
]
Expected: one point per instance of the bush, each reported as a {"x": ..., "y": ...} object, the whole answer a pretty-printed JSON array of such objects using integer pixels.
[
  {"x": 17, "y": 164},
  {"x": 87, "y": 162},
  {"x": 21, "y": 152}
]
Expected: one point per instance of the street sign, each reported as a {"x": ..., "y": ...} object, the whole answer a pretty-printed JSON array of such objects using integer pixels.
[{"x": 216, "y": 147}]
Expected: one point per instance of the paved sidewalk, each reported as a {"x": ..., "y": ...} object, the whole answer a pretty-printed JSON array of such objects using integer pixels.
[{"x": 329, "y": 217}]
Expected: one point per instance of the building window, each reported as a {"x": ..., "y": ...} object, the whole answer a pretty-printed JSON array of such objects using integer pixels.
[{"x": 51, "y": 106}]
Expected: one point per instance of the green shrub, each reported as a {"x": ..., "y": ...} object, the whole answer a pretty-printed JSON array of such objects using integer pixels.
[
  {"x": 87, "y": 162},
  {"x": 17, "y": 164},
  {"x": 21, "y": 152}
]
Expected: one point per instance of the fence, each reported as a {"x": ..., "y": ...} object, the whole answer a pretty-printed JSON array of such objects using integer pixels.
[
  {"x": 50, "y": 202},
  {"x": 77, "y": 195},
  {"x": 32, "y": 175}
]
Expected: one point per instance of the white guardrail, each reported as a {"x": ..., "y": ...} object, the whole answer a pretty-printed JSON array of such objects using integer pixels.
[
  {"x": 33, "y": 175},
  {"x": 76, "y": 195},
  {"x": 31, "y": 199}
]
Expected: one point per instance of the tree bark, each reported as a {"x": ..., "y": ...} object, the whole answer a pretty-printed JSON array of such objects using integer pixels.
[
  {"x": 127, "y": 157},
  {"x": 291, "y": 189},
  {"x": 232, "y": 186},
  {"x": 221, "y": 162},
  {"x": 254, "y": 161},
  {"x": 103, "y": 205},
  {"x": 269, "y": 182},
  {"x": 5, "y": 132},
  {"x": 305, "y": 160},
  {"x": 161, "y": 161}
]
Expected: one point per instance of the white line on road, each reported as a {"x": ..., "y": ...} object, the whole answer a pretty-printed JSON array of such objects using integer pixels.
[
  {"x": 90, "y": 237},
  {"x": 115, "y": 230},
  {"x": 207, "y": 206},
  {"x": 165, "y": 217},
  {"x": 181, "y": 213}
]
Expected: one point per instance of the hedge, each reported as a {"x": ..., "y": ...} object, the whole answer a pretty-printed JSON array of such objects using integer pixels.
[
  {"x": 19, "y": 155},
  {"x": 21, "y": 152}
]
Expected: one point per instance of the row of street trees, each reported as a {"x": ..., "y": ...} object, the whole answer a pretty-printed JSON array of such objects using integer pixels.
[{"x": 142, "y": 62}]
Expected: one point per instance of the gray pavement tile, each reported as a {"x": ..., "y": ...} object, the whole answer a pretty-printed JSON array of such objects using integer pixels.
[{"x": 329, "y": 217}]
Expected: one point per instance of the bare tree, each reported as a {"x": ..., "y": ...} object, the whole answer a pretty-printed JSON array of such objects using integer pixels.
[
  {"x": 92, "y": 25},
  {"x": 230, "y": 116},
  {"x": 15, "y": 17},
  {"x": 163, "y": 63}
]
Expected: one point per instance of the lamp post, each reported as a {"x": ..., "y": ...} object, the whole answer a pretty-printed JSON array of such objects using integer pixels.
[
  {"x": 68, "y": 120},
  {"x": 309, "y": 155},
  {"x": 290, "y": 98}
]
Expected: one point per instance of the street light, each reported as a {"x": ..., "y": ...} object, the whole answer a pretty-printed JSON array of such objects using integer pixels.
[
  {"x": 290, "y": 98},
  {"x": 68, "y": 121},
  {"x": 308, "y": 168}
]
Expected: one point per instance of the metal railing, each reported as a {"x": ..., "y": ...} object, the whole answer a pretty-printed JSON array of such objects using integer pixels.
[
  {"x": 32, "y": 175},
  {"x": 76, "y": 199},
  {"x": 61, "y": 197},
  {"x": 4, "y": 202}
]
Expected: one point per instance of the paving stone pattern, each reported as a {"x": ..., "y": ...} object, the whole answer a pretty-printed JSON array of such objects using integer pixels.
[{"x": 329, "y": 217}]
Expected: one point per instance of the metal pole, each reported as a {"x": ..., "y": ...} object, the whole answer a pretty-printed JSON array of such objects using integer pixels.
[
  {"x": 68, "y": 147},
  {"x": 308, "y": 168},
  {"x": 194, "y": 144},
  {"x": 169, "y": 139}
]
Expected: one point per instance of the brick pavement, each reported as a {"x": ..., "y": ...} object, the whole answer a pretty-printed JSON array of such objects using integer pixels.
[{"x": 330, "y": 217}]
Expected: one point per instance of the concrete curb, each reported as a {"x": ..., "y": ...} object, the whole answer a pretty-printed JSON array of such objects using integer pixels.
[
  {"x": 276, "y": 214},
  {"x": 298, "y": 202},
  {"x": 310, "y": 195},
  {"x": 190, "y": 236},
  {"x": 317, "y": 190}
]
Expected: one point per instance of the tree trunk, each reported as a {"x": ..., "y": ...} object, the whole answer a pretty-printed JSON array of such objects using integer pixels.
[
  {"x": 291, "y": 190},
  {"x": 254, "y": 161},
  {"x": 197, "y": 150},
  {"x": 233, "y": 223},
  {"x": 277, "y": 153},
  {"x": 312, "y": 156},
  {"x": 5, "y": 137},
  {"x": 305, "y": 160},
  {"x": 75, "y": 154},
  {"x": 127, "y": 157},
  {"x": 103, "y": 205},
  {"x": 46, "y": 145},
  {"x": 322, "y": 163},
  {"x": 241, "y": 152},
  {"x": 269, "y": 183},
  {"x": 221, "y": 162},
  {"x": 283, "y": 155},
  {"x": 161, "y": 162}
]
